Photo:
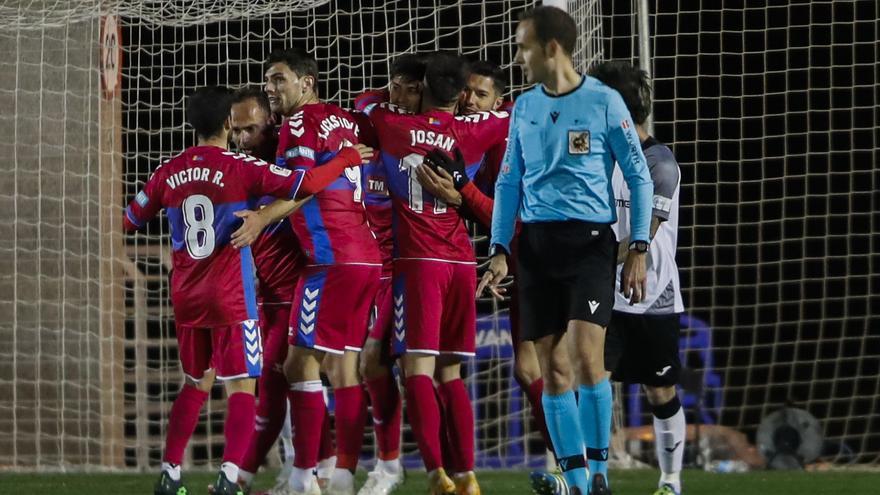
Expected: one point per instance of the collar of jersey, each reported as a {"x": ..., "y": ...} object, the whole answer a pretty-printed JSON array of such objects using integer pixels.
[
  {"x": 439, "y": 114},
  {"x": 544, "y": 89}
]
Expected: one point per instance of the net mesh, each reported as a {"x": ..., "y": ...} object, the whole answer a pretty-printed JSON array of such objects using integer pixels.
[
  {"x": 772, "y": 114},
  {"x": 770, "y": 110},
  {"x": 122, "y": 322}
]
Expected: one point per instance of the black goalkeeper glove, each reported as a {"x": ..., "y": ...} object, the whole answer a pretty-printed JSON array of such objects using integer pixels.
[{"x": 437, "y": 158}]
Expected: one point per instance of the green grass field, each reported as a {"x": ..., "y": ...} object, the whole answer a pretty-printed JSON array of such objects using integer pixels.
[{"x": 493, "y": 482}]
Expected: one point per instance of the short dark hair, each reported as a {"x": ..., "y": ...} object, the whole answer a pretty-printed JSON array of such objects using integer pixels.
[
  {"x": 552, "y": 23},
  {"x": 297, "y": 60},
  {"x": 445, "y": 77},
  {"x": 409, "y": 66},
  {"x": 491, "y": 70},
  {"x": 207, "y": 109},
  {"x": 632, "y": 84},
  {"x": 248, "y": 92}
]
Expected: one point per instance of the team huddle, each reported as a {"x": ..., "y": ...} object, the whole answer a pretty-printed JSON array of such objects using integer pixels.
[{"x": 334, "y": 241}]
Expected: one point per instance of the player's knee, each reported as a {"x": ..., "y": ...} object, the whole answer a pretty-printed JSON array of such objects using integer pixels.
[
  {"x": 593, "y": 372},
  {"x": 526, "y": 369},
  {"x": 243, "y": 385},
  {"x": 205, "y": 383},
  {"x": 659, "y": 395},
  {"x": 371, "y": 365}
]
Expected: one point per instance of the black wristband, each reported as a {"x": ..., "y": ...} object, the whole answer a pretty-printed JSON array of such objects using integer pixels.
[{"x": 497, "y": 249}]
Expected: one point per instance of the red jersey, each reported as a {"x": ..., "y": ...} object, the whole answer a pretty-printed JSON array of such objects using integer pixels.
[
  {"x": 424, "y": 226},
  {"x": 278, "y": 258},
  {"x": 332, "y": 227},
  {"x": 212, "y": 284},
  {"x": 377, "y": 201}
]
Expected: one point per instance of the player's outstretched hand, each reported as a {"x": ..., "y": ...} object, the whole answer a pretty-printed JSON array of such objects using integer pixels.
[
  {"x": 438, "y": 183},
  {"x": 440, "y": 160},
  {"x": 493, "y": 276},
  {"x": 633, "y": 278},
  {"x": 250, "y": 229}
]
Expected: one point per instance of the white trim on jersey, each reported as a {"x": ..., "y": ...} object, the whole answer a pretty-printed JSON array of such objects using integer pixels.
[{"x": 442, "y": 261}]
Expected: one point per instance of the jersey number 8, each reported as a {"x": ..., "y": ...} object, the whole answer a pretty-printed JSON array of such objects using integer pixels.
[{"x": 198, "y": 215}]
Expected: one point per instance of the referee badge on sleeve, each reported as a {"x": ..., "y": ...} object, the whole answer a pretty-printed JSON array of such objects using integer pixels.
[{"x": 579, "y": 142}]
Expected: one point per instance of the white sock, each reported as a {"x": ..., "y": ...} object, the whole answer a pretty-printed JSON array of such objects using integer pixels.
[
  {"x": 390, "y": 467},
  {"x": 342, "y": 478},
  {"x": 173, "y": 470},
  {"x": 300, "y": 479},
  {"x": 230, "y": 470},
  {"x": 246, "y": 477},
  {"x": 669, "y": 446},
  {"x": 326, "y": 467}
]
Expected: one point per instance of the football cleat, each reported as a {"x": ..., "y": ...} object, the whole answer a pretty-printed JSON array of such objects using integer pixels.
[
  {"x": 222, "y": 486},
  {"x": 439, "y": 483},
  {"x": 380, "y": 482},
  {"x": 167, "y": 486},
  {"x": 599, "y": 485},
  {"x": 466, "y": 484},
  {"x": 666, "y": 489},
  {"x": 548, "y": 483}
]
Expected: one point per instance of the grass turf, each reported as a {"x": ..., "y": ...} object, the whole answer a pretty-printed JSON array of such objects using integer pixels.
[{"x": 637, "y": 482}]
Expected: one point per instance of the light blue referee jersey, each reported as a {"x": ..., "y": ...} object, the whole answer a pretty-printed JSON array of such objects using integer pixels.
[{"x": 560, "y": 156}]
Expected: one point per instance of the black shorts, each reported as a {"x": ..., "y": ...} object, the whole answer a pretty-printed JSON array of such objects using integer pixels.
[
  {"x": 643, "y": 349},
  {"x": 565, "y": 272}
]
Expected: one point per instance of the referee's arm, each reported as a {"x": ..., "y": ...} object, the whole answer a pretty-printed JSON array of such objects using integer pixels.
[
  {"x": 628, "y": 152},
  {"x": 508, "y": 197}
]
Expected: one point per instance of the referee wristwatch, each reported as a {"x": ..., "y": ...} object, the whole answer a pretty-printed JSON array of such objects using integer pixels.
[
  {"x": 497, "y": 249},
  {"x": 639, "y": 246}
]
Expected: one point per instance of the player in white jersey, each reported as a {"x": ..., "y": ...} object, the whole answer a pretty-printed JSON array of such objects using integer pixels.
[{"x": 642, "y": 342}]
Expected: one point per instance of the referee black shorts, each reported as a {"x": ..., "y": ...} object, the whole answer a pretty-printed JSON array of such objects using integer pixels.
[
  {"x": 643, "y": 349},
  {"x": 566, "y": 272}
]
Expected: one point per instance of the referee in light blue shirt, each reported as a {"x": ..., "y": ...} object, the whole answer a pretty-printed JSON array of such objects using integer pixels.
[{"x": 566, "y": 134}]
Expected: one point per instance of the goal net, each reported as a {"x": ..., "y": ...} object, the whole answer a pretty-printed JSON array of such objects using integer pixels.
[
  {"x": 777, "y": 138},
  {"x": 772, "y": 114},
  {"x": 96, "y": 92}
]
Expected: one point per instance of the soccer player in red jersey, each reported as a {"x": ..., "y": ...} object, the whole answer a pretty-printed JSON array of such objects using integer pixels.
[
  {"x": 278, "y": 259},
  {"x": 212, "y": 283},
  {"x": 434, "y": 266},
  {"x": 335, "y": 292},
  {"x": 404, "y": 87},
  {"x": 407, "y": 73},
  {"x": 485, "y": 92}
]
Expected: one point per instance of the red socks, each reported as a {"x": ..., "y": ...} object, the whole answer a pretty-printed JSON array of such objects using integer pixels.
[
  {"x": 424, "y": 417},
  {"x": 459, "y": 423},
  {"x": 446, "y": 447},
  {"x": 182, "y": 422},
  {"x": 351, "y": 415},
  {"x": 326, "y": 450},
  {"x": 270, "y": 418},
  {"x": 385, "y": 398},
  {"x": 239, "y": 426},
  {"x": 307, "y": 414},
  {"x": 534, "y": 392}
]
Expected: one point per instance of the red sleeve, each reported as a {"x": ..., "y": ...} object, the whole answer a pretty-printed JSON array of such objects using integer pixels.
[
  {"x": 316, "y": 179},
  {"x": 146, "y": 204},
  {"x": 368, "y": 98},
  {"x": 297, "y": 143},
  {"x": 480, "y": 204},
  {"x": 367, "y": 132}
]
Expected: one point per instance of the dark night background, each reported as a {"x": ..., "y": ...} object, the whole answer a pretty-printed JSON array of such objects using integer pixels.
[{"x": 770, "y": 110}]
